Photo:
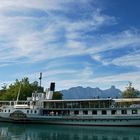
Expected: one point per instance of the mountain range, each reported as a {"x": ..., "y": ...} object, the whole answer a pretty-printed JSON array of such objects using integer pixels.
[{"x": 90, "y": 93}]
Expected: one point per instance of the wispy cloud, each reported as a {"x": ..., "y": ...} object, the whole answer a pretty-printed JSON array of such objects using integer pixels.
[
  {"x": 128, "y": 60},
  {"x": 27, "y": 40},
  {"x": 84, "y": 78},
  {"x": 120, "y": 80},
  {"x": 120, "y": 40},
  {"x": 124, "y": 45}
]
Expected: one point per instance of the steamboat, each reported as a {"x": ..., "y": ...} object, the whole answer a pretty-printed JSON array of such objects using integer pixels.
[{"x": 40, "y": 108}]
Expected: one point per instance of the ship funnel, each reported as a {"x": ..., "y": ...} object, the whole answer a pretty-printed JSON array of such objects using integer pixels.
[
  {"x": 52, "y": 86},
  {"x": 50, "y": 91}
]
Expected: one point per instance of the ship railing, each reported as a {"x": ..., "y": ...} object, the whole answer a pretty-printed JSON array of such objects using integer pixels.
[
  {"x": 135, "y": 105},
  {"x": 21, "y": 106}
]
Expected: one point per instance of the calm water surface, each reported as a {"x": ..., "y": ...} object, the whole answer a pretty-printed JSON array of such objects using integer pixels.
[{"x": 51, "y": 132}]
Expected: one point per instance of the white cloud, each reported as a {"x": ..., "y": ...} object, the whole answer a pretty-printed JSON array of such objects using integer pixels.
[
  {"x": 128, "y": 60},
  {"x": 84, "y": 78},
  {"x": 42, "y": 4},
  {"x": 124, "y": 77},
  {"x": 129, "y": 39},
  {"x": 120, "y": 81}
]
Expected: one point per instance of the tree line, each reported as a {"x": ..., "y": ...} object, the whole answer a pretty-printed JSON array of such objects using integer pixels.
[
  {"x": 130, "y": 92},
  {"x": 10, "y": 93}
]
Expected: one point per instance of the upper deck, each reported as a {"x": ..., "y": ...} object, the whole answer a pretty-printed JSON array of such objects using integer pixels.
[
  {"x": 92, "y": 103},
  {"x": 80, "y": 103}
]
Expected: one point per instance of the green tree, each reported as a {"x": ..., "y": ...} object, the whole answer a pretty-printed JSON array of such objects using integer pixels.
[
  {"x": 57, "y": 95},
  {"x": 130, "y": 92},
  {"x": 3, "y": 88},
  {"x": 27, "y": 89}
]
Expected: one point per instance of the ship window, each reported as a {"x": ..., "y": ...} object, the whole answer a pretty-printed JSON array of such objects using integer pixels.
[
  {"x": 31, "y": 111},
  {"x": 27, "y": 111},
  {"x": 76, "y": 112},
  {"x": 104, "y": 112},
  {"x": 9, "y": 110},
  {"x": 124, "y": 111},
  {"x": 5, "y": 110},
  {"x": 85, "y": 112},
  {"x": 35, "y": 111},
  {"x": 94, "y": 112},
  {"x": 113, "y": 112},
  {"x": 135, "y": 111}
]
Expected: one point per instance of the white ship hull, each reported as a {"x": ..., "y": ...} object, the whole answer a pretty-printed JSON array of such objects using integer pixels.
[{"x": 75, "y": 120}]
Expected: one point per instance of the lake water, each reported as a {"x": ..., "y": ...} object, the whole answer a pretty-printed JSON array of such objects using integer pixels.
[{"x": 52, "y": 132}]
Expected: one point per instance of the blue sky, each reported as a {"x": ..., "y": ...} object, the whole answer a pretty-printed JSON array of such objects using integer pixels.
[{"x": 72, "y": 42}]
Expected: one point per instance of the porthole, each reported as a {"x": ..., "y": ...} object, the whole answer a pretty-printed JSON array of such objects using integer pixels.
[{"x": 134, "y": 111}]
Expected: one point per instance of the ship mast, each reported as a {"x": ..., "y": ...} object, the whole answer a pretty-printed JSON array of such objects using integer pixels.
[{"x": 18, "y": 93}]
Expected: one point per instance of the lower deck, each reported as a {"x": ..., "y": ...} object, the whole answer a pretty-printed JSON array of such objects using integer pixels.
[
  {"x": 92, "y": 112},
  {"x": 89, "y": 117}
]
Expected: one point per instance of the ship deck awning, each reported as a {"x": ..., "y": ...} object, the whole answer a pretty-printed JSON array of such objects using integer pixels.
[
  {"x": 127, "y": 100},
  {"x": 78, "y": 100}
]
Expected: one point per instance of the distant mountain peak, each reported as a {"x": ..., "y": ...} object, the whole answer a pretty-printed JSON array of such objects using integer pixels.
[
  {"x": 80, "y": 92},
  {"x": 113, "y": 87}
]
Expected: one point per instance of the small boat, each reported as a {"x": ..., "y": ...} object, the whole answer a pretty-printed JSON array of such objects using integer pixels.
[{"x": 40, "y": 108}]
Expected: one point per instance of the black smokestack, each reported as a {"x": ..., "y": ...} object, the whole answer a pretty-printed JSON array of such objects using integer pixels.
[
  {"x": 40, "y": 78},
  {"x": 52, "y": 86}
]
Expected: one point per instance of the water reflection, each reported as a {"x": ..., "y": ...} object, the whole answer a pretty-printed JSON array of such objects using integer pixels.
[{"x": 51, "y": 132}]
